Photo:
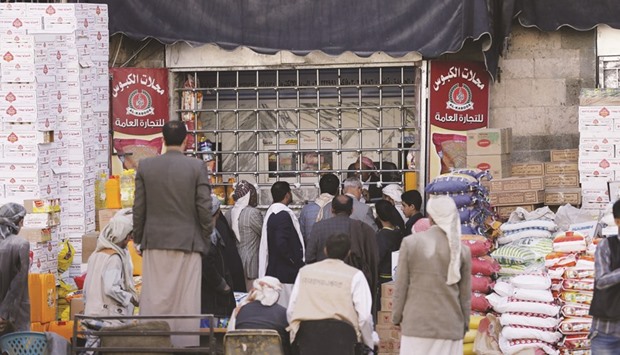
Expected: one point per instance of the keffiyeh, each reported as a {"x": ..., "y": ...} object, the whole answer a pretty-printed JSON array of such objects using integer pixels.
[
  {"x": 119, "y": 228},
  {"x": 242, "y": 196},
  {"x": 443, "y": 212}
]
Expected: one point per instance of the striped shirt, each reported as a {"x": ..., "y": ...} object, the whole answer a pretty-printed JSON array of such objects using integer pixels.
[
  {"x": 605, "y": 278},
  {"x": 250, "y": 229}
]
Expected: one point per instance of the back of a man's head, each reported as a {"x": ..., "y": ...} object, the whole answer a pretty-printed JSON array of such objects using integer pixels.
[
  {"x": 329, "y": 183},
  {"x": 279, "y": 189},
  {"x": 412, "y": 197},
  {"x": 338, "y": 246},
  {"x": 342, "y": 204},
  {"x": 174, "y": 133},
  {"x": 351, "y": 184},
  {"x": 616, "y": 212}
]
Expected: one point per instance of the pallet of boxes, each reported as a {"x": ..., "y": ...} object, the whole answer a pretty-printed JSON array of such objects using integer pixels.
[
  {"x": 599, "y": 146},
  {"x": 562, "y": 178},
  {"x": 54, "y": 102},
  {"x": 490, "y": 149},
  {"x": 389, "y": 334}
]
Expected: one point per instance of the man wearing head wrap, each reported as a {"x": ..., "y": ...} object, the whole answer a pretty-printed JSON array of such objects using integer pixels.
[
  {"x": 368, "y": 175},
  {"x": 217, "y": 282},
  {"x": 259, "y": 310},
  {"x": 432, "y": 296},
  {"x": 247, "y": 224},
  {"x": 393, "y": 193},
  {"x": 14, "y": 263},
  {"x": 109, "y": 288}
]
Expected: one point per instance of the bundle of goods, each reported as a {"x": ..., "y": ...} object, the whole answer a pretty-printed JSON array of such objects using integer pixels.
[
  {"x": 572, "y": 272},
  {"x": 528, "y": 313},
  {"x": 470, "y": 197},
  {"x": 535, "y": 228},
  {"x": 484, "y": 272},
  {"x": 522, "y": 255}
]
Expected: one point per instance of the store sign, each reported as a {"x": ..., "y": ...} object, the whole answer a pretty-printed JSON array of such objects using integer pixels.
[
  {"x": 139, "y": 100},
  {"x": 458, "y": 102}
]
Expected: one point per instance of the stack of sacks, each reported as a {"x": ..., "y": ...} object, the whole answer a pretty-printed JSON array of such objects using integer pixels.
[
  {"x": 536, "y": 228},
  {"x": 572, "y": 269},
  {"x": 470, "y": 197},
  {"x": 528, "y": 314},
  {"x": 524, "y": 255},
  {"x": 470, "y": 336},
  {"x": 483, "y": 274}
]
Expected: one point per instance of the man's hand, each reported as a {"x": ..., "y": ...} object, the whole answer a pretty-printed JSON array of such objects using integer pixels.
[
  {"x": 138, "y": 249},
  {"x": 3, "y": 324},
  {"x": 366, "y": 195}
]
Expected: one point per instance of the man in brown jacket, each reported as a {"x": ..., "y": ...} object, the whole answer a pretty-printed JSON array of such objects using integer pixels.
[
  {"x": 172, "y": 224},
  {"x": 432, "y": 297}
]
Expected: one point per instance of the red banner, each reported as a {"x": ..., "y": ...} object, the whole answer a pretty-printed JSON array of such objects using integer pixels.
[
  {"x": 139, "y": 100},
  {"x": 458, "y": 102},
  {"x": 459, "y": 95}
]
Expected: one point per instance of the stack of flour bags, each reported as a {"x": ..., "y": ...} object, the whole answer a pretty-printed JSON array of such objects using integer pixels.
[
  {"x": 524, "y": 243},
  {"x": 571, "y": 267},
  {"x": 529, "y": 314},
  {"x": 484, "y": 271},
  {"x": 471, "y": 198}
]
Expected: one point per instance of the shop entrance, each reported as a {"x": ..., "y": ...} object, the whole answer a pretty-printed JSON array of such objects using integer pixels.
[{"x": 294, "y": 124}]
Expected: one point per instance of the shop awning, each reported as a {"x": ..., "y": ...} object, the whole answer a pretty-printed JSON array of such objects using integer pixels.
[
  {"x": 550, "y": 15},
  {"x": 395, "y": 27}
]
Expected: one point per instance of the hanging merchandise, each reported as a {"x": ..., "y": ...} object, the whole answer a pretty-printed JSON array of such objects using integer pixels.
[
  {"x": 112, "y": 193},
  {"x": 127, "y": 188},
  {"x": 191, "y": 101},
  {"x": 102, "y": 177}
]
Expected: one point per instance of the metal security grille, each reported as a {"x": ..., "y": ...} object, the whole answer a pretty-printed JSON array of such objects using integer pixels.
[
  {"x": 294, "y": 124},
  {"x": 609, "y": 67}
]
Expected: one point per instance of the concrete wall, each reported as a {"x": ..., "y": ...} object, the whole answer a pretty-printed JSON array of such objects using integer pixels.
[{"x": 537, "y": 93}]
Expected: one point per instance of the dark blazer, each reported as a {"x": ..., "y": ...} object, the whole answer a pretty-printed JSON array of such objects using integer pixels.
[
  {"x": 361, "y": 212},
  {"x": 172, "y": 207},
  {"x": 340, "y": 223},
  {"x": 285, "y": 249}
]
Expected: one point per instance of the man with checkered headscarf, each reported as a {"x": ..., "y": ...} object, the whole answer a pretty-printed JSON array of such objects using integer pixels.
[
  {"x": 14, "y": 264},
  {"x": 247, "y": 224}
]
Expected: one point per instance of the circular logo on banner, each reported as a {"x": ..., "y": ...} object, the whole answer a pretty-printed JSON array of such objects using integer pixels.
[
  {"x": 459, "y": 98},
  {"x": 140, "y": 104}
]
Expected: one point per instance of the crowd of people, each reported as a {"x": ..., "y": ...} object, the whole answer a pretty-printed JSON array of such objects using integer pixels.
[{"x": 328, "y": 263}]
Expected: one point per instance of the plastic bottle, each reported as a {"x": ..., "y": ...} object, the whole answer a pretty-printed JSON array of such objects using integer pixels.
[
  {"x": 127, "y": 188},
  {"x": 102, "y": 177},
  {"x": 112, "y": 193}
]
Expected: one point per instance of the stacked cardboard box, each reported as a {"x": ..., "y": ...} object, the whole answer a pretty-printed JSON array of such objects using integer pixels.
[
  {"x": 41, "y": 230},
  {"x": 562, "y": 178},
  {"x": 507, "y": 194},
  {"x": 72, "y": 53},
  {"x": 389, "y": 334},
  {"x": 489, "y": 149},
  {"x": 599, "y": 145}
]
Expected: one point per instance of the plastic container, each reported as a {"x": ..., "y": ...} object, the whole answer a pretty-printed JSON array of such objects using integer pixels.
[
  {"x": 113, "y": 193},
  {"x": 24, "y": 343},
  {"x": 102, "y": 177},
  {"x": 128, "y": 188}
]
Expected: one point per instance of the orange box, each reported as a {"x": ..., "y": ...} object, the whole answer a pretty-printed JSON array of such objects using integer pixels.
[
  {"x": 42, "y": 288},
  {"x": 39, "y": 327},
  {"x": 136, "y": 259},
  {"x": 62, "y": 328}
]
